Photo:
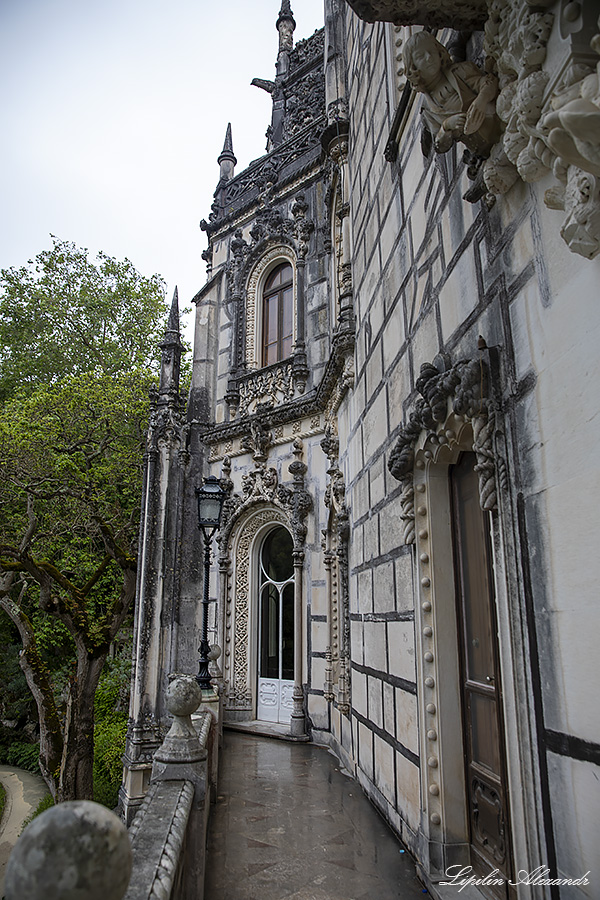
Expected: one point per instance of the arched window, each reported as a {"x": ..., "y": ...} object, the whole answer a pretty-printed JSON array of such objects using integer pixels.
[{"x": 278, "y": 315}]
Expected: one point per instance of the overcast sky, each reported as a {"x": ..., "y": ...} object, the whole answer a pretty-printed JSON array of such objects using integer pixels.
[{"x": 113, "y": 114}]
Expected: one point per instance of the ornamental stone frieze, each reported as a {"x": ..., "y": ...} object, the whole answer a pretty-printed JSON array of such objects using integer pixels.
[
  {"x": 261, "y": 486},
  {"x": 533, "y": 112},
  {"x": 462, "y": 392}
]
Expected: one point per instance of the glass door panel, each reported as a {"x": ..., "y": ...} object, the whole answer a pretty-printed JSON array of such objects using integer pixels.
[{"x": 276, "y": 628}]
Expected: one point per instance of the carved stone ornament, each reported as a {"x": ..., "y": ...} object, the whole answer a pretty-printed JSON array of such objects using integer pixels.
[
  {"x": 263, "y": 501},
  {"x": 545, "y": 131},
  {"x": 335, "y": 544},
  {"x": 544, "y": 122},
  {"x": 461, "y": 390},
  {"x": 167, "y": 422},
  {"x": 259, "y": 441},
  {"x": 265, "y": 389},
  {"x": 458, "y": 96}
]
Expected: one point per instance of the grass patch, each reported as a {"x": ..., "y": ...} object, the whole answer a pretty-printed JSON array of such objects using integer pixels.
[
  {"x": 44, "y": 804},
  {"x": 2, "y": 800}
]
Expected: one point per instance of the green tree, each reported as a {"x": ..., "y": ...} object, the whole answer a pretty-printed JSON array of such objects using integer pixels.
[
  {"x": 78, "y": 343},
  {"x": 70, "y": 475},
  {"x": 64, "y": 313}
]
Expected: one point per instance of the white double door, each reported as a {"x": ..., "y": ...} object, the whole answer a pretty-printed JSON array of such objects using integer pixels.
[{"x": 276, "y": 629}]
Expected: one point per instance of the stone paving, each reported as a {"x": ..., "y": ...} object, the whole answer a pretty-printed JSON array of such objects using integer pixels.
[{"x": 289, "y": 824}]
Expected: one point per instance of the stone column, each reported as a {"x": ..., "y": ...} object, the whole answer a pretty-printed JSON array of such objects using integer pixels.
[{"x": 297, "y": 722}]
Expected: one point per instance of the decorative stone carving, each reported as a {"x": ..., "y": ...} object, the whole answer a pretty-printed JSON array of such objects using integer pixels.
[
  {"x": 570, "y": 136},
  {"x": 335, "y": 545},
  {"x": 259, "y": 441},
  {"x": 516, "y": 37},
  {"x": 303, "y": 227},
  {"x": 287, "y": 505},
  {"x": 261, "y": 484},
  {"x": 265, "y": 389},
  {"x": 581, "y": 201},
  {"x": 458, "y": 96},
  {"x": 544, "y": 130},
  {"x": 573, "y": 124},
  {"x": 304, "y": 102},
  {"x": 297, "y": 499},
  {"x": 463, "y": 390}
]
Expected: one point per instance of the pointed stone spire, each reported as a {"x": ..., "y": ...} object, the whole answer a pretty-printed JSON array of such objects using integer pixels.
[
  {"x": 171, "y": 352},
  {"x": 285, "y": 13},
  {"x": 227, "y": 160},
  {"x": 285, "y": 26}
]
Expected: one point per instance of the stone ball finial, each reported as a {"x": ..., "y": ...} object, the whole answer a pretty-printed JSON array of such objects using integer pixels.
[
  {"x": 76, "y": 850},
  {"x": 184, "y": 695}
]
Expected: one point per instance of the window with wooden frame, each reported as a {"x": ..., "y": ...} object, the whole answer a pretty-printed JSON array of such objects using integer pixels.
[{"x": 278, "y": 315}]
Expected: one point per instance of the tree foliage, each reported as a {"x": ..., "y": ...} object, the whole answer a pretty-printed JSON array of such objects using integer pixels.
[
  {"x": 65, "y": 314},
  {"x": 70, "y": 475},
  {"x": 78, "y": 344}
]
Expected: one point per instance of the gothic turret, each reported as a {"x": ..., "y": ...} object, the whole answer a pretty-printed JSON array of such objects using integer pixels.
[
  {"x": 285, "y": 26},
  {"x": 226, "y": 159},
  {"x": 171, "y": 355}
]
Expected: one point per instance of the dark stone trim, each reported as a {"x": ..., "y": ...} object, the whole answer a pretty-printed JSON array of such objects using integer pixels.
[
  {"x": 318, "y": 618},
  {"x": 409, "y": 687},
  {"x": 391, "y": 148},
  {"x": 387, "y": 737},
  {"x": 536, "y": 684},
  {"x": 573, "y": 747},
  {"x": 406, "y": 615},
  {"x": 207, "y": 287}
]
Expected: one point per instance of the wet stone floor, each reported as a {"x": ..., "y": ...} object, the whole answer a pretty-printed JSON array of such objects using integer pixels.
[{"x": 289, "y": 824}]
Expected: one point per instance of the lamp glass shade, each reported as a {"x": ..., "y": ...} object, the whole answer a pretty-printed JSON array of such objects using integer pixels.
[{"x": 210, "y": 502}]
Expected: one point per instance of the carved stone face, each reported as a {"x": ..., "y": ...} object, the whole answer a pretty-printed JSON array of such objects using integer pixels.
[{"x": 425, "y": 66}]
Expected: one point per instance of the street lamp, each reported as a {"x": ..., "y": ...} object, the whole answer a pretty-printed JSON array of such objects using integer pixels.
[{"x": 210, "y": 505}]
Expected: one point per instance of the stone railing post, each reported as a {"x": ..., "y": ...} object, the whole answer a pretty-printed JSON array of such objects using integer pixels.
[
  {"x": 182, "y": 758},
  {"x": 72, "y": 851}
]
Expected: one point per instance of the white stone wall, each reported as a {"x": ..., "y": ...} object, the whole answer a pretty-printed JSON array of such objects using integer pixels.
[{"x": 431, "y": 273}]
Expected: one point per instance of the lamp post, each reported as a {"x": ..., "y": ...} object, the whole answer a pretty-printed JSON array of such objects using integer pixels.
[{"x": 210, "y": 505}]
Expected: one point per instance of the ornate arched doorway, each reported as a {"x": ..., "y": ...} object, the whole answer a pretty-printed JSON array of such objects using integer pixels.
[{"x": 275, "y": 586}]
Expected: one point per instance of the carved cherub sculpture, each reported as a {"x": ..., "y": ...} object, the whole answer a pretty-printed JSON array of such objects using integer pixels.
[{"x": 459, "y": 96}]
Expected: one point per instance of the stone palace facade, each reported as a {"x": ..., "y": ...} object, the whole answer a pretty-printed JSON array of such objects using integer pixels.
[{"x": 394, "y": 377}]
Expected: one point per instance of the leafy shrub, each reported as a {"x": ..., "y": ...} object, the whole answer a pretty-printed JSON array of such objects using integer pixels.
[
  {"x": 24, "y": 756},
  {"x": 110, "y": 707}
]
